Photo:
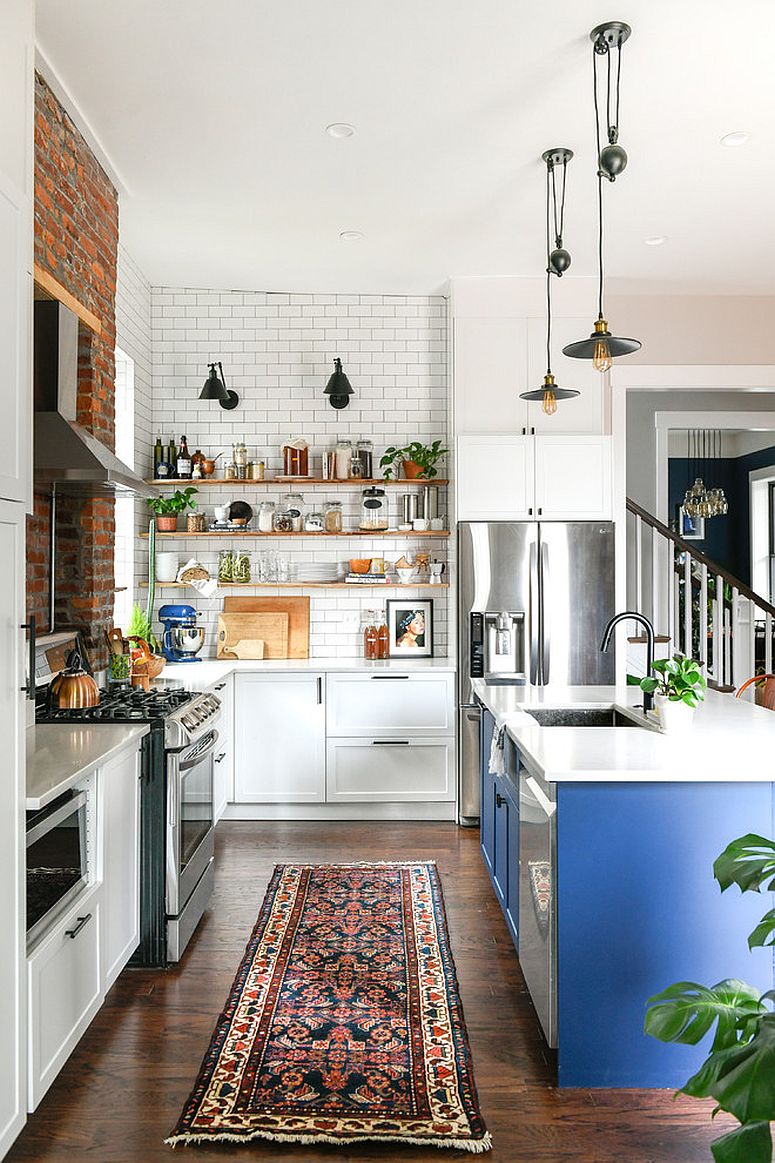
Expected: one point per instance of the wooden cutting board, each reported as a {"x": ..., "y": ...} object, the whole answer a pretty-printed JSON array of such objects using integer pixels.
[
  {"x": 248, "y": 648},
  {"x": 269, "y": 628},
  {"x": 297, "y": 610}
]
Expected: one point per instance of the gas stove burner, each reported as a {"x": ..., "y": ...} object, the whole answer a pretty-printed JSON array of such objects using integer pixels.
[{"x": 120, "y": 705}]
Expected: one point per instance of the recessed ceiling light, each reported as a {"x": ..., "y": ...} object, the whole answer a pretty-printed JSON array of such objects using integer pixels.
[
  {"x": 655, "y": 240},
  {"x": 340, "y": 129},
  {"x": 739, "y": 137},
  {"x": 350, "y": 235}
]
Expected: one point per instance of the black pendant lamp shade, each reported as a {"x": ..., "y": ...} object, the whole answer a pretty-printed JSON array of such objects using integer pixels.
[
  {"x": 607, "y": 39},
  {"x": 557, "y": 261},
  {"x": 338, "y": 389},
  {"x": 215, "y": 389}
]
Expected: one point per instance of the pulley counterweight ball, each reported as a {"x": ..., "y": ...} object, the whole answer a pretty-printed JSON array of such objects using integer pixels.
[
  {"x": 559, "y": 261},
  {"x": 613, "y": 159}
]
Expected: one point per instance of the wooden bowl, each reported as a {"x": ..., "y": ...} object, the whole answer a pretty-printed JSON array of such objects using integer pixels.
[{"x": 360, "y": 564}]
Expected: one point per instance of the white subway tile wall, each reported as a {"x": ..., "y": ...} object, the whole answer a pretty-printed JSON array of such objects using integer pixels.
[{"x": 277, "y": 352}]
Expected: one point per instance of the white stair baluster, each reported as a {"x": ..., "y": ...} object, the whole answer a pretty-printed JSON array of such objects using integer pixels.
[{"x": 703, "y": 629}]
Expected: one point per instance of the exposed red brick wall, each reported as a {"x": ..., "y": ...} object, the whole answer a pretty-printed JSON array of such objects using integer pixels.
[{"x": 76, "y": 239}]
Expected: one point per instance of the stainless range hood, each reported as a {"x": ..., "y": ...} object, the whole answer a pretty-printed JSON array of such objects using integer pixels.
[{"x": 66, "y": 454}]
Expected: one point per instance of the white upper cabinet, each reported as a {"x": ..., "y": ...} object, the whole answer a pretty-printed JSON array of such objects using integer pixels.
[
  {"x": 573, "y": 478},
  {"x": 16, "y": 192},
  {"x": 495, "y": 477},
  {"x": 584, "y": 413},
  {"x": 490, "y": 366}
]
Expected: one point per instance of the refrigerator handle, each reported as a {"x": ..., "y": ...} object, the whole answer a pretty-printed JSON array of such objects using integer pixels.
[
  {"x": 533, "y": 595},
  {"x": 545, "y": 636}
]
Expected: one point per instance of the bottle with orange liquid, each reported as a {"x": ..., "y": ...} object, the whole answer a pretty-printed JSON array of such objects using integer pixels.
[
  {"x": 370, "y": 636},
  {"x": 383, "y": 636}
]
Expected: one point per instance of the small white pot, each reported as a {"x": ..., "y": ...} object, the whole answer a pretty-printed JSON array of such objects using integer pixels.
[
  {"x": 674, "y": 717},
  {"x": 167, "y": 566}
]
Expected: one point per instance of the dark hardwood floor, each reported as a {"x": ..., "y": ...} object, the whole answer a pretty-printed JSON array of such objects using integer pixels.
[{"x": 122, "y": 1090}]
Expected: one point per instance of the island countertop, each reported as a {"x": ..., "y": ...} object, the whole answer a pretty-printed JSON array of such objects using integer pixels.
[
  {"x": 58, "y": 754},
  {"x": 729, "y": 741}
]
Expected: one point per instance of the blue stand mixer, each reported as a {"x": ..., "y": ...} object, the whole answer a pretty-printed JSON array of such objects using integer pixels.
[{"x": 182, "y": 639}]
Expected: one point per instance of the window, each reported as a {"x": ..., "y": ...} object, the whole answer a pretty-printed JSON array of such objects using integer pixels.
[{"x": 124, "y": 555}]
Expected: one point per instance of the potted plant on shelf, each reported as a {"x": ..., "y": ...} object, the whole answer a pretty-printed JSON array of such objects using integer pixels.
[
  {"x": 166, "y": 509},
  {"x": 679, "y": 688},
  {"x": 419, "y": 460},
  {"x": 738, "y": 1071}
]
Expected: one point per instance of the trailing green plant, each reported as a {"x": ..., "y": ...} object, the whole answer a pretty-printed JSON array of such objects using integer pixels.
[
  {"x": 170, "y": 506},
  {"x": 679, "y": 679},
  {"x": 140, "y": 627},
  {"x": 739, "y": 1072},
  {"x": 426, "y": 455}
]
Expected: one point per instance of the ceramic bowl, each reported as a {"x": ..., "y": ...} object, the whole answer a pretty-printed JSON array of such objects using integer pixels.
[
  {"x": 360, "y": 564},
  {"x": 405, "y": 576}
]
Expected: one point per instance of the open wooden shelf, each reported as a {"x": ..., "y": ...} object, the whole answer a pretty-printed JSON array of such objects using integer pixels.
[
  {"x": 221, "y": 534},
  {"x": 311, "y": 585},
  {"x": 301, "y": 482}
]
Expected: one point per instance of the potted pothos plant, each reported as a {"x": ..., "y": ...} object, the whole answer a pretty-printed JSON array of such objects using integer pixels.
[
  {"x": 678, "y": 686},
  {"x": 166, "y": 509},
  {"x": 418, "y": 460},
  {"x": 739, "y": 1072}
]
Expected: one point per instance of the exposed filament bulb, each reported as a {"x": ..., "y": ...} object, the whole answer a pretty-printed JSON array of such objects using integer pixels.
[
  {"x": 549, "y": 400},
  {"x": 602, "y": 360}
]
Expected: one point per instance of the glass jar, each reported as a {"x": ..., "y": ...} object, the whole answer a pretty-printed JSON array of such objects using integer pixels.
[
  {"x": 295, "y": 454},
  {"x": 344, "y": 457},
  {"x": 314, "y": 523},
  {"x": 364, "y": 450},
  {"x": 225, "y": 566},
  {"x": 239, "y": 454},
  {"x": 283, "y": 523},
  {"x": 266, "y": 513},
  {"x": 294, "y": 509},
  {"x": 374, "y": 510},
  {"x": 333, "y": 517},
  {"x": 241, "y": 567},
  {"x": 356, "y": 468}
]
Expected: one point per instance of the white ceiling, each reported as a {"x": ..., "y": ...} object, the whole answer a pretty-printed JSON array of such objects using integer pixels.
[{"x": 214, "y": 114}]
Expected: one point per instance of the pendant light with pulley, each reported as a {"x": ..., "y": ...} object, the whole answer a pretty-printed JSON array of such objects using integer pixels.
[
  {"x": 557, "y": 262},
  {"x": 607, "y": 39}
]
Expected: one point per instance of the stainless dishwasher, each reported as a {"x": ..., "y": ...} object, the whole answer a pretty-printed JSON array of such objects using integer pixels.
[{"x": 537, "y": 896}]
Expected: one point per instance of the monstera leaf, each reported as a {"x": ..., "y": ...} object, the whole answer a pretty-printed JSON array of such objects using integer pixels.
[
  {"x": 740, "y": 1078},
  {"x": 684, "y": 1012},
  {"x": 747, "y": 862},
  {"x": 749, "y": 1144}
]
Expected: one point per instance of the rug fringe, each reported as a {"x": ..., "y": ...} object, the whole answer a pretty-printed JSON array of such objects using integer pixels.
[
  {"x": 474, "y": 1146},
  {"x": 357, "y": 864}
]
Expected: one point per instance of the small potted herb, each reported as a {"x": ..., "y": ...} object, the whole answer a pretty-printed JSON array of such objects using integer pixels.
[
  {"x": 678, "y": 688},
  {"x": 418, "y": 460},
  {"x": 166, "y": 509}
]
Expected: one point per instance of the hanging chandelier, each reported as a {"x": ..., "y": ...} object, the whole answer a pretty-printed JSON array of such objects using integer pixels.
[
  {"x": 699, "y": 500},
  {"x": 557, "y": 262},
  {"x": 601, "y": 346}
]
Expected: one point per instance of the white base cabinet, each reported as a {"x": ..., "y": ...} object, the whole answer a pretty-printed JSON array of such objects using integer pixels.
[
  {"x": 391, "y": 770},
  {"x": 280, "y": 730},
  {"x": 391, "y": 703},
  {"x": 119, "y": 791},
  {"x": 65, "y": 990}
]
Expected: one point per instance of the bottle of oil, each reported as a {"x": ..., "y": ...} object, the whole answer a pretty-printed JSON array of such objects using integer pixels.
[
  {"x": 383, "y": 637},
  {"x": 370, "y": 636}
]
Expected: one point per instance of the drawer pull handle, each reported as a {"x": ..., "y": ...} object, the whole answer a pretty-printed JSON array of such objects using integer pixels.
[
  {"x": 390, "y": 742},
  {"x": 498, "y": 800},
  {"x": 387, "y": 677},
  {"x": 220, "y": 686},
  {"x": 76, "y": 930},
  {"x": 221, "y": 757}
]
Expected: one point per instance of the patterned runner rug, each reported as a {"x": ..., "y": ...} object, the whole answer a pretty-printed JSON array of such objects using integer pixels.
[{"x": 344, "y": 1022}]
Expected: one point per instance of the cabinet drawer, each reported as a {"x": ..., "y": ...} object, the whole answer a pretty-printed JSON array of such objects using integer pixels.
[
  {"x": 65, "y": 991},
  {"x": 412, "y": 769},
  {"x": 401, "y": 703}
]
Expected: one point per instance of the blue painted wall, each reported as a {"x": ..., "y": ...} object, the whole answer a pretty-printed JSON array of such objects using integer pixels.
[{"x": 727, "y": 539}]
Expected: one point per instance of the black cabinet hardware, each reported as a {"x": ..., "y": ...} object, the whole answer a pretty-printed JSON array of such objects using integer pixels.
[
  {"x": 220, "y": 758},
  {"x": 320, "y": 689},
  {"x": 29, "y": 686},
  {"x": 388, "y": 677},
  {"x": 76, "y": 930},
  {"x": 220, "y": 686},
  {"x": 390, "y": 742},
  {"x": 498, "y": 800}
]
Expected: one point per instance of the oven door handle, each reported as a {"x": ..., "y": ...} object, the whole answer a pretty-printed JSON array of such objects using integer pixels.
[
  {"x": 51, "y": 821},
  {"x": 187, "y": 764}
]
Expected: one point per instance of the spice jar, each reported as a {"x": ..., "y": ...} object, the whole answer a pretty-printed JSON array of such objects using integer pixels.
[
  {"x": 313, "y": 523},
  {"x": 294, "y": 505},
  {"x": 266, "y": 514},
  {"x": 333, "y": 517},
  {"x": 344, "y": 457},
  {"x": 256, "y": 470},
  {"x": 374, "y": 510}
]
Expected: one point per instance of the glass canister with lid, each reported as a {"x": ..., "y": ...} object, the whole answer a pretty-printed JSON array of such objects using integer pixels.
[
  {"x": 343, "y": 457},
  {"x": 333, "y": 517},
  {"x": 374, "y": 510},
  {"x": 266, "y": 512},
  {"x": 364, "y": 450},
  {"x": 294, "y": 511}
]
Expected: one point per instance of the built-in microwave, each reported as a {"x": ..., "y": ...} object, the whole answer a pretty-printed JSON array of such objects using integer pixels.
[{"x": 57, "y": 860}]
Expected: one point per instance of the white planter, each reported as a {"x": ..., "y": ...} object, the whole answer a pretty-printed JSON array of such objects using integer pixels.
[
  {"x": 674, "y": 717},
  {"x": 167, "y": 566}
]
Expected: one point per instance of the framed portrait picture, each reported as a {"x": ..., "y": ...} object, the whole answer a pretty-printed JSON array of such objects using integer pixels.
[
  {"x": 410, "y": 625},
  {"x": 690, "y": 528}
]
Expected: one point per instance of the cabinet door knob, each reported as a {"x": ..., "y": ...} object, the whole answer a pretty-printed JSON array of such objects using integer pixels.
[{"x": 498, "y": 800}]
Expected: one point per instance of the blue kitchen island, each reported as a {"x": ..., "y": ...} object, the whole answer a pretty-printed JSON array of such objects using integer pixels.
[{"x": 600, "y": 841}]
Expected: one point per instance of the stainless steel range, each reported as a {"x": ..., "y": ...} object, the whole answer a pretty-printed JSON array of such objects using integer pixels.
[{"x": 177, "y": 807}]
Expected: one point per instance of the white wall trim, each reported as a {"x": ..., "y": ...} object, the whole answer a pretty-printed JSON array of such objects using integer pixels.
[
  {"x": 694, "y": 377},
  {"x": 79, "y": 118}
]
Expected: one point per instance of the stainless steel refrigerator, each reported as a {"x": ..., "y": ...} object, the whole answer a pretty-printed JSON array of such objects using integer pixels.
[{"x": 534, "y": 598}]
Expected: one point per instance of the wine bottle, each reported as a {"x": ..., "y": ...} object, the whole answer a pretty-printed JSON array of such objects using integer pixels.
[
  {"x": 184, "y": 465},
  {"x": 158, "y": 456},
  {"x": 172, "y": 458}
]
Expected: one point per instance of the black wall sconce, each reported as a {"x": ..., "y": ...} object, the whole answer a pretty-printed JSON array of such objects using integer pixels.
[
  {"x": 215, "y": 389},
  {"x": 338, "y": 389}
]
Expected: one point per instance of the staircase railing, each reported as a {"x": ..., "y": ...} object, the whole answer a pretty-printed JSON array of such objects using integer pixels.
[{"x": 704, "y": 609}]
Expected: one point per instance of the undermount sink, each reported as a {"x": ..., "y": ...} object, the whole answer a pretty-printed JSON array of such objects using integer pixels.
[{"x": 583, "y": 717}]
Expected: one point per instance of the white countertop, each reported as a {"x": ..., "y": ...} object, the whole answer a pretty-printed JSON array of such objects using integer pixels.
[
  {"x": 58, "y": 754},
  {"x": 730, "y": 740},
  {"x": 198, "y": 675}
]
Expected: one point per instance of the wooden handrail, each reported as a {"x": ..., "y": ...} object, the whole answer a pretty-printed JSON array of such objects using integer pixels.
[{"x": 713, "y": 566}]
